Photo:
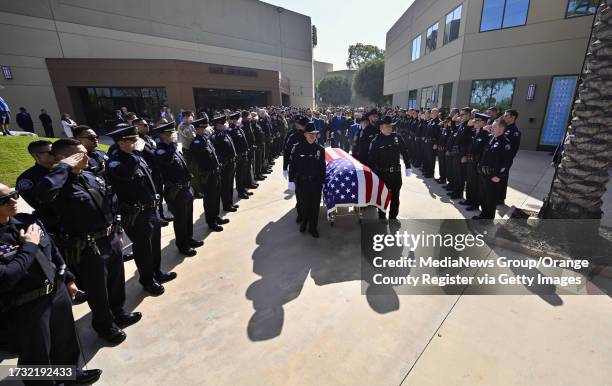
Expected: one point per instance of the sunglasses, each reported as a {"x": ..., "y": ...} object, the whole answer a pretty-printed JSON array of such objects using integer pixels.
[
  {"x": 91, "y": 137},
  {"x": 14, "y": 195}
]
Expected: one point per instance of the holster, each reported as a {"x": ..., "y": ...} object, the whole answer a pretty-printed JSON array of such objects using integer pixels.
[
  {"x": 73, "y": 247},
  {"x": 129, "y": 214},
  {"x": 171, "y": 191}
]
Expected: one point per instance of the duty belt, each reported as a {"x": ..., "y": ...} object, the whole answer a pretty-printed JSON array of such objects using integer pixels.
[
  {"x": 441, "y": 148},
  {"x": 149, "y": 205},
  {"x": 180, "y": 186},
  {"x": 26, "y": 297},
  {"x": 109, "y": 230},
  {"x": 306, "y": 178},
  {"x": 391, "y": 169}
]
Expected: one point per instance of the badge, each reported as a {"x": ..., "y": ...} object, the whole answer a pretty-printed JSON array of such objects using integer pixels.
[
  {"x": 24, "y": 184},
  {"x": 196, "y": 141},
  {"x": 160, "y": 151},
  {"x": 113, "y": 164},
  {"x": 100, "y": 181},
  {"x": 508, "y": 147}
]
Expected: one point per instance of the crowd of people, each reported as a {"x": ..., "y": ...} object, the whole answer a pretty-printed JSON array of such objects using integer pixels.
[{"x": 85, "y": 200}]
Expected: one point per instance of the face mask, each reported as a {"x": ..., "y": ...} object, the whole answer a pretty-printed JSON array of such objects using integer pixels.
[
  {"x": 139, "y": 145},
  {"x": 174, "y": 137}
]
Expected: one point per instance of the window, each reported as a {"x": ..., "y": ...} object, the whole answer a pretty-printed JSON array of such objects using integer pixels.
[
  {"x": 431, "y": 39},
  {"x": 451, "y": 29},
  {"x": 498, "y": 14},
  {"x": 426, "y": 97},
  {"x": 416, "y": 48},
  {"x": 577, "y": 8},
  {"x": 445, "y": 94},
  {"x": 559, "y": 109},
  {"x": 412, "y": 99},
  {"x": 497, "y": 92}
]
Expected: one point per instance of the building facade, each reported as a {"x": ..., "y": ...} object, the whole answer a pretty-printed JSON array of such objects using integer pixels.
[
  {"x": 89, "y": 58},
  {"x": 524, "y": 54}
]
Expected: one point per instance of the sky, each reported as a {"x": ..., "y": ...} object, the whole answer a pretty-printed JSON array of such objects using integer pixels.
[{"x": 341, "y": 23}]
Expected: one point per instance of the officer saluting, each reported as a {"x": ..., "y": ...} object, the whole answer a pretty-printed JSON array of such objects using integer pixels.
[
  {"x": 138, "y": 201},
  {"x": 307, "y": 171},
  {"x": 494, "y": 164},
  {"x": 224, "y": 146},
  {"x": 177, "y": 191},
  {"x": 384, "y": 159},
  {"x": 36, "y": 288},
  {"x": 367, "y": 135},
  {"x": 208, "y": 173}
]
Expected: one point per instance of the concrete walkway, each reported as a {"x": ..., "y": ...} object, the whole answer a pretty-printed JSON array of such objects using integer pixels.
[{"x": 262, "y": 304}]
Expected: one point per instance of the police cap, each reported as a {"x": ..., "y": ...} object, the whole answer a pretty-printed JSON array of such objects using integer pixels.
[
  {"x": 123, "y": 131},
  {"x": 165, "y": 128}
]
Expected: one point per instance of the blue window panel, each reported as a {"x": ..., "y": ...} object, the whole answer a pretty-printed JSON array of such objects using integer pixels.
[
  {"x": 515, "y": 13},
  {"x": 558, "y": 110},
  {"x": 492, "y": 15}
]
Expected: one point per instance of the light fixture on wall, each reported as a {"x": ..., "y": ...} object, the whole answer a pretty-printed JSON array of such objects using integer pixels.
[
  {"x": 6, "y": 71},
  {"x": 531, "y": 92}
]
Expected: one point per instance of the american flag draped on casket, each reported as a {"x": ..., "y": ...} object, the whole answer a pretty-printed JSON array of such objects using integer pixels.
[{"x": 350, "y": 183}]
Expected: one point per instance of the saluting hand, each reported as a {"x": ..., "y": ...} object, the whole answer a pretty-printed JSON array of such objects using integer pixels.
[
  {"x": 78, "y": 160},
  {"x": 32, "y": 234}
]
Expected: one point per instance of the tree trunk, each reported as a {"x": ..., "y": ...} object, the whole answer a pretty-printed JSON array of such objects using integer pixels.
[{"x": 581, "y": 180}]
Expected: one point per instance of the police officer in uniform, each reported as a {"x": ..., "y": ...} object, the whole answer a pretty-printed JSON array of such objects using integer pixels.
[
  {"x": 90, "y": 239},
  {"x": 307, "y": 172},
  {"x": 496, "y": 159},
  {"x": 30, "y": 183},
  {"x": 297, "y": 136},
  {"x": 384, "y": 159},
  {"x": 367, "y": 135},
  {"x": 226, "y": 152},
  {"x": 479, "y": 137},
  {"x": 247, "y": 128},
  {"x": 514, "y": 136},
  {"x": 461, "y": 143},
  {"x": 138, "y": 202},
  {"x": 35, "y": 291},
  {"x": 177, "y": 188},
  {"x": 208, "y": 172},
  {"x": 441, "y": 144},
  {"x": 145, "y": 147},
  {"x": 260, "y": 141},
  {"x": 430, "y": 143},
  {"x": 242, "y": 155},
  {"x": 97, "y": 158}
]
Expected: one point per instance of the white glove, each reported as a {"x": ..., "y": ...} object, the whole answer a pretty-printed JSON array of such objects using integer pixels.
[
  {"x": 285, "y": 174},
  {"x": 291, "y": 186},
  {"x": 408, "y": 172}
]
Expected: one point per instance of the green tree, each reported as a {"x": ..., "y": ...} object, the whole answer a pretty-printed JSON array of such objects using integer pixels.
[
  {"x": 362, "y": 53},
  {"x": 369, "y": 80},
  {"x": 335, "y": 90}
]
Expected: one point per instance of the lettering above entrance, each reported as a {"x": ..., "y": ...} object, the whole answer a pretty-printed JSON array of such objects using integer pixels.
[{"x": 232, "y": 71}]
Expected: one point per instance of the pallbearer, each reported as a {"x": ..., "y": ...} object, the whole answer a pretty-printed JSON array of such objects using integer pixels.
[{"x": 307, "y": 171}]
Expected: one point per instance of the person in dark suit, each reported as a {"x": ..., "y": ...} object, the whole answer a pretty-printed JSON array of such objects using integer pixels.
[
  {"x": 47, "y": 123},
  {"x": 24, "y": 120}
]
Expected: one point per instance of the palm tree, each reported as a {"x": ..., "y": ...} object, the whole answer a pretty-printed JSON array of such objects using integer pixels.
[{"x": 581, "y": 179}]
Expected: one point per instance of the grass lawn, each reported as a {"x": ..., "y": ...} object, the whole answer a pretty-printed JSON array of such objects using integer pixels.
[{"x": 14, "y": 157}]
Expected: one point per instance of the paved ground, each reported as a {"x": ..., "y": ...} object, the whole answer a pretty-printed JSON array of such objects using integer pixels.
[{"x": 262, "y": 304}]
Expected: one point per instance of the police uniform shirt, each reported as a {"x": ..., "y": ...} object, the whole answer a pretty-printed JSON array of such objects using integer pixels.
[
  {"x": 32, "y": 185},
  {"x": 295, "y": 138},
  {"x": 462, "y": 138},
  {"x": 19, "y": 269},
  {"x": 249, "y": 135},
  {"x": 365, "y": 139},
  {"x": 385, "y": 151},
  {"x": 171, "y": 163},
  {"x": 131, "y": 178},
  {"x": 224, "y": 145},
  {"x": 513, "y": 133},
  {"x": 479, "y": 141},
  {"x": 238, "y": 137},
  {"x": 307, "y": 160},
  {"x": 433, "y": 130},
  {"x": 205, "y": 154},
  {"x": 97, "y": 162},
  {"x": 497, "y": 156}
]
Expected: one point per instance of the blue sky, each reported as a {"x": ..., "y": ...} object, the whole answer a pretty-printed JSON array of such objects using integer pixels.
[{"x": 342, "y": 23}]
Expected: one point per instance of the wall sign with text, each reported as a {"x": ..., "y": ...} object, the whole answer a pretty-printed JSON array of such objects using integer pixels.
[{"x": 558, "y": 109}]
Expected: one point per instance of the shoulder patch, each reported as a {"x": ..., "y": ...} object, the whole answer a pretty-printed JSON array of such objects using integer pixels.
[
  {"x": 508, "y": 147},
  {"x": 25, "y": 184},
  {"x": 113, "y": 164}
]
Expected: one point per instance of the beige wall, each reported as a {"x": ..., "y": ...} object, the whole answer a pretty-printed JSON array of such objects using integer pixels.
[
  {"x": 245, "y": 33},
  {"x": 548, "y": 45},
  {"x": 320, "y": 70}
]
